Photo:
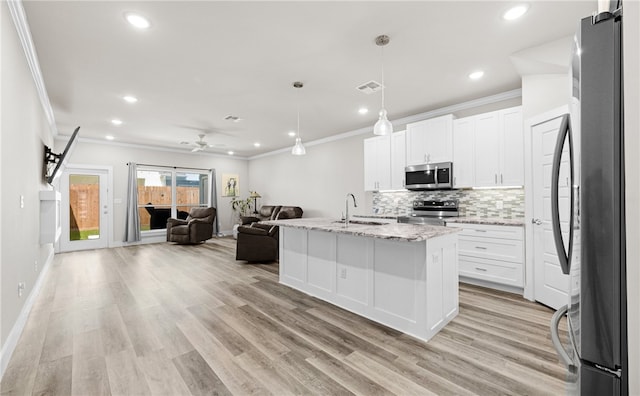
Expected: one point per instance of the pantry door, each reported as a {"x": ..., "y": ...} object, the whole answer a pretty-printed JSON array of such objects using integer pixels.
[
  {"x": 550, "y": 284},
  {"x": 85, "y": 210}
]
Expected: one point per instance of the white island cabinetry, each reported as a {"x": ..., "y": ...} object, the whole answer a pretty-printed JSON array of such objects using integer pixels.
[{"x": 409, "y": 285}]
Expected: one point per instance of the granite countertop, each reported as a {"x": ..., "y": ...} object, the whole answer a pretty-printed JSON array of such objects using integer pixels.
[
  {"x": 488, "y": 220},
  {"x": 393, "y": 231}
]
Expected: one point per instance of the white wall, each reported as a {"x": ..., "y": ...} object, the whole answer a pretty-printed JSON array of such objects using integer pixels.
[
  {"x": 317, "y": 182},
  {"x": 117, "y": 156},
  {"x": 631, "y": 37},
  {"x": 544, "y": 92},
  {"x": 24, "y": 131}
]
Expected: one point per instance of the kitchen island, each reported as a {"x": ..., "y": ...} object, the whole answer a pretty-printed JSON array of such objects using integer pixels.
[{"x": 404, "y": 276}]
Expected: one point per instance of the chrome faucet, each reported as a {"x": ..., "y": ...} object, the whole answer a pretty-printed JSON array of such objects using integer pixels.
[{"x": 346, "y": 204}]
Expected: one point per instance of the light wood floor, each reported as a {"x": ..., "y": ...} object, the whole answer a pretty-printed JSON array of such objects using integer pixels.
[{"x": 179, "y": 320}]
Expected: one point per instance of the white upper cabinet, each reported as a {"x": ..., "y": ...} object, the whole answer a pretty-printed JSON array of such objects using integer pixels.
[
  {"x": 430, "y": 141},
  {"x": 463, "y": 173},
  {"x": 487, "y": 153},
  {"x": 512, "y": 166},
  {"x": 499, "y": 141},
  {"x": 377, "y": 163},
  {"x": 398, "y": 159}
]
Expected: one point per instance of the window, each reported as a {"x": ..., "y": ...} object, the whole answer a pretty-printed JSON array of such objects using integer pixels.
[{"x": 165, "y": 193}]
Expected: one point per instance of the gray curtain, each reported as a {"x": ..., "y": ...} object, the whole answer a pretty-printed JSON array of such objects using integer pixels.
[
  {"x": 213, "y": 200},
  {"x": 132, "y": 230}
]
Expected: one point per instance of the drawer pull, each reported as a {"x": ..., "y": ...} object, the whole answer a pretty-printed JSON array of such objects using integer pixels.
[
  {"x": 481, "y": 269},
  {"x": 481, "y": 247},
  {"x": 481, "y": 230}
]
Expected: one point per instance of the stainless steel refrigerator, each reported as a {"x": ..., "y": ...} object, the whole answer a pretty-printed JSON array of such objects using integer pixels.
[{"x": 593, "y": 254}]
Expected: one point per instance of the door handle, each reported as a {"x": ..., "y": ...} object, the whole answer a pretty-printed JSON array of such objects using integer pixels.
[
  {"x": 495, "y": 177},
  {"x": 563, "y": 256},
  {"x": 536, "y": 221}
]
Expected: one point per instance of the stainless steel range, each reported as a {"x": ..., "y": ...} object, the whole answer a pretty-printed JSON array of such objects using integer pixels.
[{"x": 431, "y": 212}]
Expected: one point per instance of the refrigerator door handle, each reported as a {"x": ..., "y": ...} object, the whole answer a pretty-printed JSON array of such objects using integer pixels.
[
  {"x": 563, "y": 255},
  {"x": 555, "y": 338}
]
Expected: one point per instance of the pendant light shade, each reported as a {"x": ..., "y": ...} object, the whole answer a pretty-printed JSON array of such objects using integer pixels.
[
  {"x": 383, "y": 126},
  {"x": 298, "y": 148}
]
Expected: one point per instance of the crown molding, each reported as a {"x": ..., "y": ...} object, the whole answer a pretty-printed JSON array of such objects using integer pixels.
[
  {"x": 24, "y": 33},
  {"x": 513, "y": 94},
  {"x": 65, "y": 138}
]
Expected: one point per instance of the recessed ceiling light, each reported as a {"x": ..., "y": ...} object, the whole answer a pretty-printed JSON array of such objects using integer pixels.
[
  {"x": 230, "y": 152},
  {"x": 515, "y": 12},
  {"x": 476, "y": 75},
  {"x": 109, "y": 137},
  {"x": 256, "y": 144},
  {"x": 137, "y": 20},
  {"x": 292, "y": 134},
  {"x": 130, "y": 99},
  {"x": 363, "y": 110},
  {"x": 116, "y": 122}
]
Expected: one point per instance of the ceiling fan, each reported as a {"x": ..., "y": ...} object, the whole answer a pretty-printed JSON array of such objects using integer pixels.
[{"x": 201, "y": 144}]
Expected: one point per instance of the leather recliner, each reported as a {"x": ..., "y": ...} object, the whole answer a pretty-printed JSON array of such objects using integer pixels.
[
  {"x": 260, "y": 242},
  {"x": 196, "y": 228}
]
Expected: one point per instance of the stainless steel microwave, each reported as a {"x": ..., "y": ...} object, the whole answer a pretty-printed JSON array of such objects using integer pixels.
[{"x": 437, "y": 176}]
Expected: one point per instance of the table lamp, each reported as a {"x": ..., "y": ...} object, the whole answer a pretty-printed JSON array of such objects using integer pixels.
[{"x": 255, "y": 197}]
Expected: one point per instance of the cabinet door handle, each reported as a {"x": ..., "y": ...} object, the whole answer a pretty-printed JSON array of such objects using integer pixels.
[
  {"x": 501, "y": 181},
  {"x": 481, "y": 269},
  {"x": 454, "y": 180},
  {"x": 481, "y": 247},
  {"x": 481, "y": 230},
  {"x": 495, "y": 177}
]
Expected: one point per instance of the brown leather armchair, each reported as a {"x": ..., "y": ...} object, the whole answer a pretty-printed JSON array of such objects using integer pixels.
[
  {"x": 197, "y": 227},
  {"x": 259, "y": 242}
]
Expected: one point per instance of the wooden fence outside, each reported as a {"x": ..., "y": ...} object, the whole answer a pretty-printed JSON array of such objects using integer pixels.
[{"x": 84, "y": 203}]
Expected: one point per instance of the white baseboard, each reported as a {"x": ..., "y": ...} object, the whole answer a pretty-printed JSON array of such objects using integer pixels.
[{"x": 16, "y": 331}]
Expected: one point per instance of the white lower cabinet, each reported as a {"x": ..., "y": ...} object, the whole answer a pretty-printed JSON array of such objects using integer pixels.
[
  {"x": 409, "y": 286},
  {"x": 491, "y": 253}
]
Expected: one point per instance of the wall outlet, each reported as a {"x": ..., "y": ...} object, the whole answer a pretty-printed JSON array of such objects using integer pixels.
[
  {"x": 21, "y": 201},
  {"x": 21, "y": 287},
  {"x": 499, "y": 204},
  {"x": 343, "y": 273}
]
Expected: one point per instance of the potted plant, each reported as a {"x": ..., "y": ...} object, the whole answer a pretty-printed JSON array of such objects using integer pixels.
[{"x": 241, "y": 206}]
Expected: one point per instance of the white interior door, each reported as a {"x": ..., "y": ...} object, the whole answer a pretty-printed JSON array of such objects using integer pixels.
[
  {"x": 550, "y": 284},
  {"x": 85, "y": 209}
]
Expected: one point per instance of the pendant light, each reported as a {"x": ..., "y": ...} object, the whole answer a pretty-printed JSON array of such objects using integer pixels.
[
  {"x": 383, "y": 126},
  {"x": 298, "y": 148}
]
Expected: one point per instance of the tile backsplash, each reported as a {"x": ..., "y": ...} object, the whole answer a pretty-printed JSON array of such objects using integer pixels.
[{"x": 473, "y": 203}]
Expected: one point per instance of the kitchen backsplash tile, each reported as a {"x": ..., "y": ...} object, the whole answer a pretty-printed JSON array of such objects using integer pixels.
[{"x": 473, "y": 203}]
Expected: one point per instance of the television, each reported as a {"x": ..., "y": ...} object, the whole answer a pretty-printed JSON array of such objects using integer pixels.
[{"x": 60, "y": 160}]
